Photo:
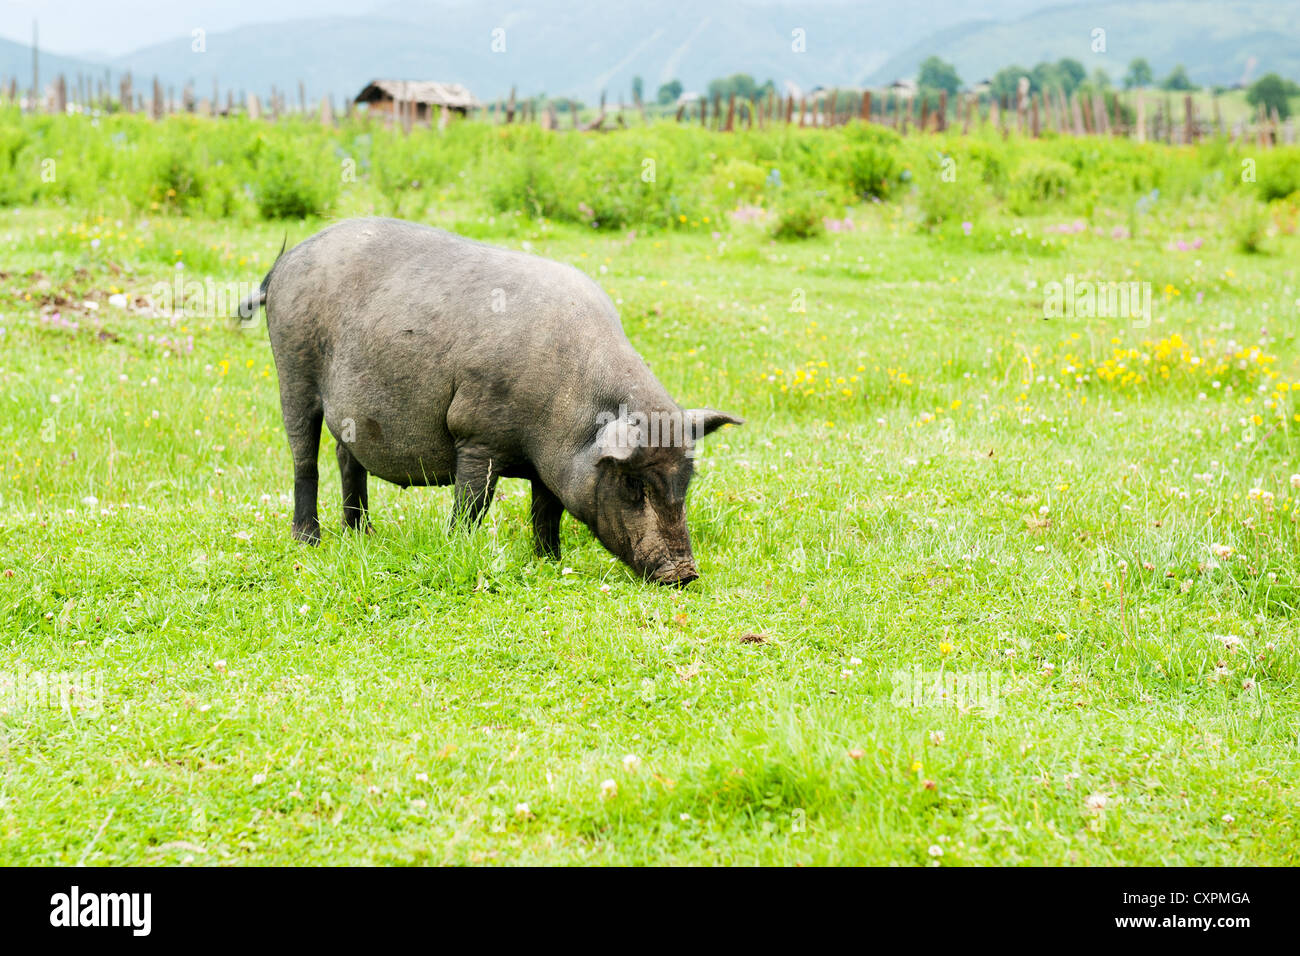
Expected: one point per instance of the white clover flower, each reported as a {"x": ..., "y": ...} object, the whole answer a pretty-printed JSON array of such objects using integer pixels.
[{"x": 1229, "y": 641}]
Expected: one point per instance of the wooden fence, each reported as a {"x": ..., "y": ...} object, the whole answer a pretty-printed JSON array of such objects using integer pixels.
[{"x": 1143, "y": 115}]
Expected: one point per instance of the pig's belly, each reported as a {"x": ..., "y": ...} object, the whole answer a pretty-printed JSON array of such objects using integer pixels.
[{"x": 395, "y": 448}]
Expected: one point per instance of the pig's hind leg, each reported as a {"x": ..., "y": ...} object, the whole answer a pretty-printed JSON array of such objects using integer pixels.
[
  {"x": 356, "y": 498},
  {"x": 476, "y": 478},
  {"x": 303, "y": 414}
]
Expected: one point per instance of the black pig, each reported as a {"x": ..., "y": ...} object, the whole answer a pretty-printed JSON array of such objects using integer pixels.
[{"x": 435, "y": 360}]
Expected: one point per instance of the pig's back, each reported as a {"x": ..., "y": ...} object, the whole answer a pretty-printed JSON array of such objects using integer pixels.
[{"x": 393, "y": 321}]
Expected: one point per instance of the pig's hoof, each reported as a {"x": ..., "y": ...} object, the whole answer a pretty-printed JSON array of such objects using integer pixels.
[{"x": 307, "y": 533}]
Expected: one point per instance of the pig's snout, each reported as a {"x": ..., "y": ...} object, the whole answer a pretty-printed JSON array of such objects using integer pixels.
[{"x": 679, "y": 573}]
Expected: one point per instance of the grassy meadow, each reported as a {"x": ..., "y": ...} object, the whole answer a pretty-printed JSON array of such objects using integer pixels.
[{"x": 977, "y": 586}]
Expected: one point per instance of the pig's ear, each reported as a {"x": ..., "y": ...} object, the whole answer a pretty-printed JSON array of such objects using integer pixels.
[
  {"x": 618, "y": 441},
  {"x": 705, "y": 421}
]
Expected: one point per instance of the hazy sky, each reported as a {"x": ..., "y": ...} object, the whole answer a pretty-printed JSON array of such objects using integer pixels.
[
  {"x": 114, "y": 27},
  {"x": 105, "y": 28}
]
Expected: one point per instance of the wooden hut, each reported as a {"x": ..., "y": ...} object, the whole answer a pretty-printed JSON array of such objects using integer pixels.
[{"x": 416, "y": 99}]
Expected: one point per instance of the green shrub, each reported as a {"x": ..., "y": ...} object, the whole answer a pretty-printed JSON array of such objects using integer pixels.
[
  {"x": 867, "y": 169},
  {"x": 293, "y": 184},
  {"x": 1044, "y": 179},
  {"x": 1279, "y": 174},
  {"x": 942, "y": 203},
  {"x": 737, "y": 182},
  {"x": 1039, "y": 180},
  {"x": 15, "y": 188},
  {"x": 526, "y": 183},
  {"x": 800, "y": 214},
  {"x": 404, "y": 167},
  {"x": 1250, "y": 221}
]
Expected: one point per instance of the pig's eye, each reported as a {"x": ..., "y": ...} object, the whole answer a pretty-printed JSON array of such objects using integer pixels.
[{"x": 632, "y": 486}]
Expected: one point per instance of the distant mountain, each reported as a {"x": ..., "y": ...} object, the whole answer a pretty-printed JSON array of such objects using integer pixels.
[
  {"x": 1219, "y": 41},
  {"x": 16, "y": 61},
  {"x": 582, "y": 47},
  {"x": 563, "y": 47}
]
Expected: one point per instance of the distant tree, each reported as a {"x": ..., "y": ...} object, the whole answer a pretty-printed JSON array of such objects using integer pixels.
[
  {"x": 1048, "y": 76},
  {"x": 1071, "y": 72},
  {"x": 742, "y": 84},
  {"x": 1138, "y": 75},
  {"x": 1178, "y": 80},
  {"x": 938, "y": 75},
  {"x": 1100, "y": 79},
  {"x": 1271, "y": 91},
  {"x": 638, "y": 88},
  {"x": 669, "y": 92},
  {"x": 1006, "y": 80}
]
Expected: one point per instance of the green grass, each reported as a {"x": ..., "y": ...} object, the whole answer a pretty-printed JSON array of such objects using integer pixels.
[{"x": 962, "y": 502}]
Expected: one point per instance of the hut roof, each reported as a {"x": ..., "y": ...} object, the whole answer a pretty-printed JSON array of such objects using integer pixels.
[{"x": 419, "y": 91}]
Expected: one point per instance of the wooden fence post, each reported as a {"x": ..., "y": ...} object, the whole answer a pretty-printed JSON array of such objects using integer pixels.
[{"x": 36, "y": 69}]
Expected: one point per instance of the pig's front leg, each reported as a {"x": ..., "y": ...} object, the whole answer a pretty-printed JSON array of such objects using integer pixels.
[
  {"x": 547, "y": 510},
  {"x": 475, "y": 480}
]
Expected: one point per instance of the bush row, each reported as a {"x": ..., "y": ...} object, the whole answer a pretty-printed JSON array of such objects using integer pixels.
[{"x": 663, "y": 176}]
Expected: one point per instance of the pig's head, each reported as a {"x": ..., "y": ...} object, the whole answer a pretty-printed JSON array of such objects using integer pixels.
[{"x": 643, "y": 463}]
